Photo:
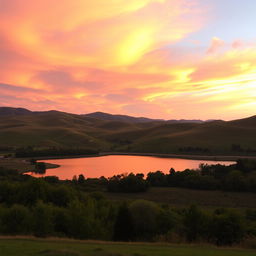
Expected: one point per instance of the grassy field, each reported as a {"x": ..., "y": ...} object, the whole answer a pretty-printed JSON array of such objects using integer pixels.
[
  {"x": 184, "y": 197},
  {"x": 36, "y": 247}
]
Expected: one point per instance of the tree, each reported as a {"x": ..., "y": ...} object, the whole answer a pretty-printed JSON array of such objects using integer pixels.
[
  {"x": 123, "y": 227},
  {"x": 43, "y": 224},
  {"x": 157, "y": 178},
  {"x": 40, "y": 167},
  {"x": 16, "y": 221},
  {"x": 127, "y": 183},
  {"x": 74, "y": 179},
  {"x": 144, "y": 215},
  {"x": 79, "y": 220},
  {"x": 195, "y": 223},
  {"x": 81, "y": 179},
  {"x": 61, "y": 221},
  {"x": 235, "y": 181},
  {"x": 60, "y": 196},
  {"x": 32, "y": 191},
  {"x": 227, "y": 228}
]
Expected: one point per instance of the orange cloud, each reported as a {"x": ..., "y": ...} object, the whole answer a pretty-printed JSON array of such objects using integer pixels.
[{"x": 97, "y": 33}]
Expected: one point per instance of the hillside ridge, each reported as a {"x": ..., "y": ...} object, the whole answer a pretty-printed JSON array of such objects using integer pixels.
[{"x": 21, "y": 128}]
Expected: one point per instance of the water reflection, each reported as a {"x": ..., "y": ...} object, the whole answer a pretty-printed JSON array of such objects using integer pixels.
[{"x": 95, "y": 167}]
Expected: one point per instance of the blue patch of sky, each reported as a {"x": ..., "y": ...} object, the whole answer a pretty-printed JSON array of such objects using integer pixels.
[{"x": 229, "y": 20}]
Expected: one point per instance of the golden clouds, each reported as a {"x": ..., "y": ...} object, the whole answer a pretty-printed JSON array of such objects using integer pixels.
[
  {"x": 95, "y": 33},
  {"x": 134, "y": 46}
]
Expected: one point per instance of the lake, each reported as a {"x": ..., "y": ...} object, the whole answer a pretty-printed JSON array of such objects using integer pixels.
[{"x": 108, "y": 166}]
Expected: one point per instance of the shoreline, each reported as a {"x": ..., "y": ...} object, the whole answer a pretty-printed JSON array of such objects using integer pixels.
[
  {"x": 22, "y": 165},
  {"x": 189, "y": 157}
]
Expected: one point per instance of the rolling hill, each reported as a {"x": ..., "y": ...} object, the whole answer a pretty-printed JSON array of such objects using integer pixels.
[
  {"x": 6, "y": 111},
  {"x": 120, "y": 118},
  {"x": 131, "y": 119},
  {"x": 107, "y": 132}
]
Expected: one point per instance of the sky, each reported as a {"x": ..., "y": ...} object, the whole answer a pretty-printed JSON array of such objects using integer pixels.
[{"x": 170, "y": 59}]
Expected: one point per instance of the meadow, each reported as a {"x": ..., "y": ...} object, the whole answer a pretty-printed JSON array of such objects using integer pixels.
[
  {"x": 59, "y": 247},
  {"x": 180, "y": 197}
]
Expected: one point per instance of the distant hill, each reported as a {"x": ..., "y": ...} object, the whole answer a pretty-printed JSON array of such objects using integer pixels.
[
  {"x": 131, "y": 119},
  {"x": 184, "y": 121},
  {"x": 122, "y": 118},
  {"x": 7, "y": 111},
  {"x": 106, "y": 132}
]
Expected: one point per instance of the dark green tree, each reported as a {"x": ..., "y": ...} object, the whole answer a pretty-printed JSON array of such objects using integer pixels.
[
  {"x": 81, "y": 179},
  {"x": 195, "y": 223},
  {"x": 144, "y": 214},
  {"x": 43, "y": 221},
  {"x": 123, "y": 227},
  {"x": 16, "y": 220},
  {"x": 227, "y": 228}
]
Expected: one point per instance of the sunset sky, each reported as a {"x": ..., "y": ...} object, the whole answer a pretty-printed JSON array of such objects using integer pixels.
[{"x": 168, "y": 59}]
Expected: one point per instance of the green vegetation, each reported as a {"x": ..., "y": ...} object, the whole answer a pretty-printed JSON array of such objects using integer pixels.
[
  {"x": 127, "y": 183},
  {"x": 35, "y": 247},
  {"x": 48, "y": 207},
  {"x": 237, "y": 177}
]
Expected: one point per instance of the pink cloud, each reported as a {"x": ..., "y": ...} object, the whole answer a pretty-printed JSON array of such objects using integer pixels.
[
  {"x": 237, "y": 44},
  {"x": 215, "y": 45}
]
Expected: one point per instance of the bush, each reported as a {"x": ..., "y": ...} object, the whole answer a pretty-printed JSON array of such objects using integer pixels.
[
  {"x": 131, "y": 183},
  {"x": 227, "y": 228}
]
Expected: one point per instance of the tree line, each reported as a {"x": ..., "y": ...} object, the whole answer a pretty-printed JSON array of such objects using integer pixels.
[
  {"x": 236, "y": 177},
  {"x": 53, "y": 151},
  {"x": 239, "y": 177}
]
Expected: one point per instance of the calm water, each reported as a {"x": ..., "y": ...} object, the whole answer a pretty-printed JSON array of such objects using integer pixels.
[{"x": 95, "y": 167}]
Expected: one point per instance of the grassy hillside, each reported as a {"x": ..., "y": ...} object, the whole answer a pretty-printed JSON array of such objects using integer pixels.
[
  {"x": 34, "y": 247},
  {"x": 217, "y": 136},
  {"x": 121, "y": 118},
  {"x": 49, "y": 129},
  {"x": 60, "y": 129}
]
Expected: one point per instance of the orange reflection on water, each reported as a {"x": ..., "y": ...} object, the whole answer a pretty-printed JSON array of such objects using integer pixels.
[{"x": 108, "y": 166}]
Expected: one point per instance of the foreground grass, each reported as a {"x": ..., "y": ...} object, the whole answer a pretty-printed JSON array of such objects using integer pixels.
[{"x": 57, "y": 247}]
